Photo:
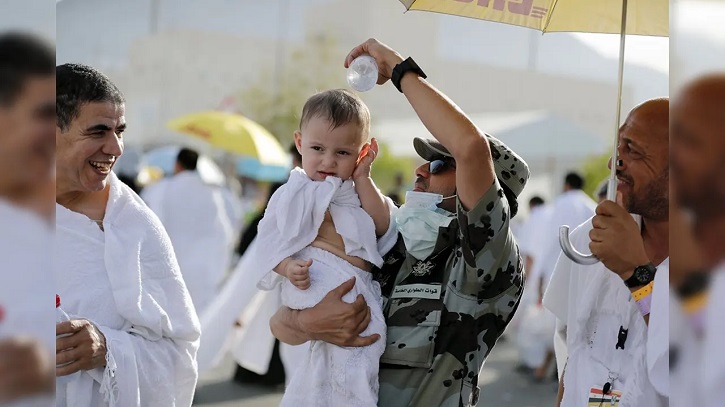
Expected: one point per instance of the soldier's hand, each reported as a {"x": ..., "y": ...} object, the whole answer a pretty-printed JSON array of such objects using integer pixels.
[
  {"x": 385, "y": 57},
  {"x": 337, "y": 322}
]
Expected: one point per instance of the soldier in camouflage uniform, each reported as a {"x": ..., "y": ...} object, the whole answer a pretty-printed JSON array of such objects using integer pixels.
[{"x": 445, "y": 311}]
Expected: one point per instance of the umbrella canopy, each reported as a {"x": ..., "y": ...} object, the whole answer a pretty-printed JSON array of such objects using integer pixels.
[
  {"x": 644, "y": 17},
  {"x": 233, "y": 133},
  {"x": 252, "y": 168}
]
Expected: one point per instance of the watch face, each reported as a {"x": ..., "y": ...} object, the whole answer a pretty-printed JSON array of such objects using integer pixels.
[{"x": 642, "y": 274}]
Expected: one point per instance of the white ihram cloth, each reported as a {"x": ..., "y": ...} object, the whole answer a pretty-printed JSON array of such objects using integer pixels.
[
  {"x": 698, "y": 377},
  {"x": 196, "y": 217},
  {"x": 330, "y": 375},
  {"x": 127, "y": 282},
  {"x": 26, "y": 285},
  {"x": 252, "y": 344},
  {"x": 713, "y": 366},
  {"x": 571, "y": 208},
  {"x": 533, "y": 325},
  {"x": 594, "y": 303}
]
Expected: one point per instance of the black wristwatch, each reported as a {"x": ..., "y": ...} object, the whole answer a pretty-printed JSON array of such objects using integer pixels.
[
  {"x": 695, "y": 283},
  {"x": 404, "y": 67},
  {"x": 643, "y": 275}
]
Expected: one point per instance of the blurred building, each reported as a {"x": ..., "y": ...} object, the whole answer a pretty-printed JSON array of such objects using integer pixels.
[{"x": 172, "y": 58}]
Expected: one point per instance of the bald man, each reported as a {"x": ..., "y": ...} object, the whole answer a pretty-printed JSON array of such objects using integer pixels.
[
  {"x": 698, "y": 161},
  {"x": 698, "y": 268},
  {"x": 612, "y": 316}
]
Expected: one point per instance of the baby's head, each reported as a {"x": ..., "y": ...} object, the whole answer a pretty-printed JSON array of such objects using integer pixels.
[{"x": 334, "y": 130}]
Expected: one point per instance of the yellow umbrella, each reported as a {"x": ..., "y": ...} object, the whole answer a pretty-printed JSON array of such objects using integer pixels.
[
  {"x": 233, "y": 133},
  {"x": 636, "y": 17},
  {"x": 644, "y": 17}
]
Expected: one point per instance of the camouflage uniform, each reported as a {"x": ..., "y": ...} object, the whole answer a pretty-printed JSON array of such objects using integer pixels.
[{"x": 445, "y": 313}]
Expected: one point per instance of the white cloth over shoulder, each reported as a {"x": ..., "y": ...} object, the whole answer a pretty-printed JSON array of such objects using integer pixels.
[
  {"x": 296, "y": 211},
  {"x": 127, "y": 282},
  {"x": 594, "y": 304},
  {"x": 26, "y": 286},
  {"x": 197, "y": 219}
]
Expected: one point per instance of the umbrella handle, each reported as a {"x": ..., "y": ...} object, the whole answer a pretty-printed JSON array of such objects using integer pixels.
[{"x": 571, "y": 252}]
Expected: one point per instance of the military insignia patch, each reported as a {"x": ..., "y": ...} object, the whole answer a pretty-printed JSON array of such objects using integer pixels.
[{"x": 422, "y": 268}]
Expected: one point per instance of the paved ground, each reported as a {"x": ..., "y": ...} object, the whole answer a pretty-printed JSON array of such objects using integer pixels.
[{"x": 500, "y": 386}]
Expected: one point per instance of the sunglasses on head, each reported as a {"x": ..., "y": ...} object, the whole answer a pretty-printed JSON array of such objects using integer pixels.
[{"x": 438, "y": 166}]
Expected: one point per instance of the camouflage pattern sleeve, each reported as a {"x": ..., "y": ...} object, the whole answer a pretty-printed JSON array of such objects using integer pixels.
[{"x": 492, "y": 264}]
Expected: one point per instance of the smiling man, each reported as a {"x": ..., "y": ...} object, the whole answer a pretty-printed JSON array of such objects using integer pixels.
[
  {"x": 134, "y": 332},
  {"x": 613, "y": 315}
]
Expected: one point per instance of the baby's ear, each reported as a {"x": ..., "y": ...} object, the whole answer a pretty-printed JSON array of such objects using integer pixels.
[{"x": 298, "y": 141}]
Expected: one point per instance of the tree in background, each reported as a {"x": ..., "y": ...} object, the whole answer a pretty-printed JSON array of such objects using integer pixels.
[
  {"x": 312, "y": 67},
  {"x": 386, "y": 169},
  {"x": 276, "y": 99},
  {"x": 595, "y": 171}
]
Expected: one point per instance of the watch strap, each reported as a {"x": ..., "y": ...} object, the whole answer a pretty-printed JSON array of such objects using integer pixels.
[
  {"x": 643, "y": 297},
  {"x": 402, "y": 68},
  {"x": 643, "y": 292}
]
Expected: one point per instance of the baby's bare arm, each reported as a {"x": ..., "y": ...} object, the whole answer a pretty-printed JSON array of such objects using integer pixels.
[{"x": 374, "y": 203}]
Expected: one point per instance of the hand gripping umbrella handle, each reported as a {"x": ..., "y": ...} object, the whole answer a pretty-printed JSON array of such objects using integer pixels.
[{"x": 571, "y": 252}]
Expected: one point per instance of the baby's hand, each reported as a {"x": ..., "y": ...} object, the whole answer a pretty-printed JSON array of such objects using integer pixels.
[
  {"x": 362, "y": 169},
  {"x": 298, "y": 273}
]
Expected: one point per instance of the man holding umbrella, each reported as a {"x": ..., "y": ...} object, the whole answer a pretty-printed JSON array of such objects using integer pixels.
[
  {"x": 613, "y": 316},
  {"x": 454, "y": 280}
]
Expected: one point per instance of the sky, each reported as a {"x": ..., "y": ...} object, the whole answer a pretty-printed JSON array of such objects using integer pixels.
[
  {"x": 652, "y": 52},
  {"x": 34, "y": 15},
  {"x": 690, "y": 18},
  {"x": 698, "y": 18}
]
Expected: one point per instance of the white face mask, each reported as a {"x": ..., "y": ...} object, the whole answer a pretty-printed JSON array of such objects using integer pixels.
[{"x": 419, "y": 220}]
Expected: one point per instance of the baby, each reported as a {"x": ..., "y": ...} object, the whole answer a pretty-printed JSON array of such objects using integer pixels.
[{"x": 330, "y": 223}]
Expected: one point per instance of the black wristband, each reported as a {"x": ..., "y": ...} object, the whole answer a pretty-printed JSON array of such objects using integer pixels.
[
  {"x": 402, "y": 68},
  {"x": 694, "y": 284}
]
